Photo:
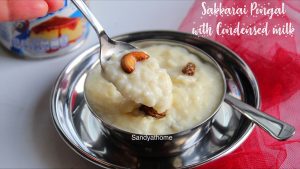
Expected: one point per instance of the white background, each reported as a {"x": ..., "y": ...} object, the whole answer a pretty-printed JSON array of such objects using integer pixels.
[{"x": 28, "y": 138}]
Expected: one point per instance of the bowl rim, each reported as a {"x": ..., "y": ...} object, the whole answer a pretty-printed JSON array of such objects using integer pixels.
[{"x": 202, "y": 56}]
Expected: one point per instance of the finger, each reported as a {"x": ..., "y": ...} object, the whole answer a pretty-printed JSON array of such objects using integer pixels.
[
  {"x": 22, "y": 9},
  {"x": 54, "y": 5}
]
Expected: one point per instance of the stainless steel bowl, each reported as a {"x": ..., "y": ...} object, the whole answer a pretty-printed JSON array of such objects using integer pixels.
[{"x": 179, "y": 141}]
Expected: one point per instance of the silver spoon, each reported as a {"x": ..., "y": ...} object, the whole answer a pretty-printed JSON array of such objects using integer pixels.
[
  {"x": 107, "y": 45},
  {"x": 276, "y": 128}
]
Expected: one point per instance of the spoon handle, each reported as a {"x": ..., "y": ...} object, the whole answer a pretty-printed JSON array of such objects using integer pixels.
[
  {"x": 276, "y": 128},
  {"x": 89, "y": 16}
]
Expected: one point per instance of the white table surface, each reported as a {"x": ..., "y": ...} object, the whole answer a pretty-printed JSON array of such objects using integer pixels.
[{"x": 28, "y": 138}]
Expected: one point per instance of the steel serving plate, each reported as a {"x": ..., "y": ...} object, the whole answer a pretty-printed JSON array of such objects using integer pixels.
[{"x": 80, "y": 129}]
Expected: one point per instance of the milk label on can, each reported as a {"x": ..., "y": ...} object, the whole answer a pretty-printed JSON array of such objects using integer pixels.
[{"x": 52, "y": 35}]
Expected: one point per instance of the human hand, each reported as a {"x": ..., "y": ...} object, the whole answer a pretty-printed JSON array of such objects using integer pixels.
[{"x": 11, "y": 10}]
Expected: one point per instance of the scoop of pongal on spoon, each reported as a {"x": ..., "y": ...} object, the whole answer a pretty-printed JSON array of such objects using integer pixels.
[
  {"x": 145, "y": 83},
  {"x": 138, "y": 77}
]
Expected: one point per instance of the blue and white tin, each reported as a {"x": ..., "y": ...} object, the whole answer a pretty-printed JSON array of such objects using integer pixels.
[{"x": 55, "y": 34}]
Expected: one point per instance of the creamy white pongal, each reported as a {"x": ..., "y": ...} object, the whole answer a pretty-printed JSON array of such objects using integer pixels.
[
  {"x": 148, "y": 84},
  {"x": 194, "y": 98}
]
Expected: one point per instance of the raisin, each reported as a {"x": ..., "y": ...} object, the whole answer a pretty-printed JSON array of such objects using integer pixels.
[{"x": 189, "y": 69}]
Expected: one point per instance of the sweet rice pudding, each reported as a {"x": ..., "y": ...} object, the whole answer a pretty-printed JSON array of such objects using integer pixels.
[
  {"x": 146, "y": 84},
  {"x": 185, "y": 88}
]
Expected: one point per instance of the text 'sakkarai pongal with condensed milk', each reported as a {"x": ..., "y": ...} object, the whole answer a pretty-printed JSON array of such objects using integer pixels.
[{"x": 52, "y": 35}]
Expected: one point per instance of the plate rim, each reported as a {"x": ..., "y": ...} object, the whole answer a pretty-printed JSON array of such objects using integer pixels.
[{"x": 75, "y": 147}]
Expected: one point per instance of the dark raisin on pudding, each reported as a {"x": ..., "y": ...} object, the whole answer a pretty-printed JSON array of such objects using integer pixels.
[
  {"x": 152, "y": 112},
  {"x": 189, "y": 69}
]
